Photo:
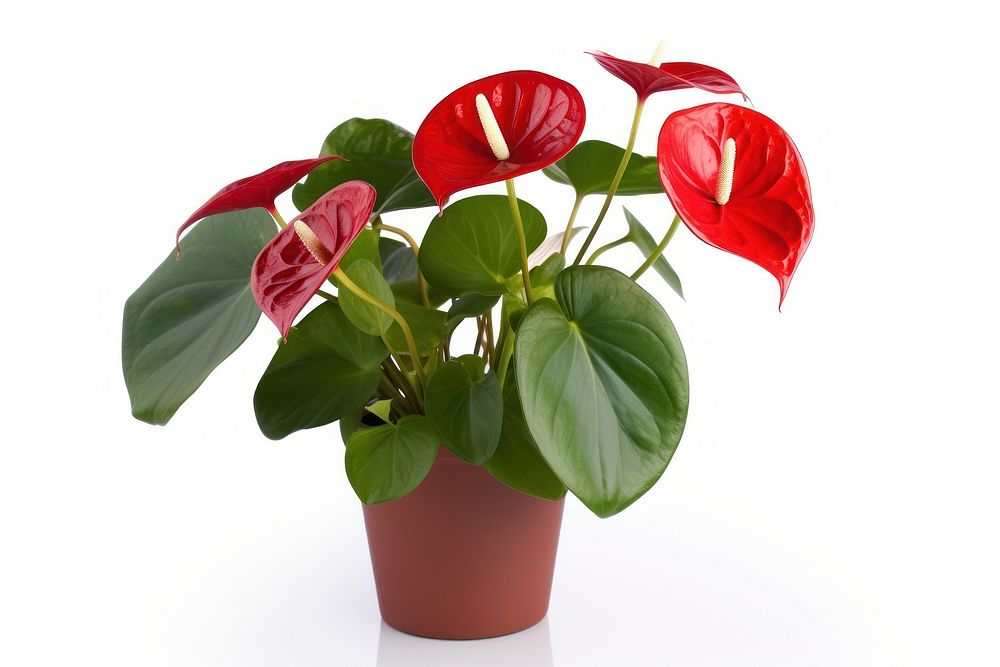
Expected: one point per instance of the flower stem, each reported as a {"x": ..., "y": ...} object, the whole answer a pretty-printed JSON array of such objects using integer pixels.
[
  {"x": 277, "y": 217},
  {"x": 608, "y": 246},
  {"x": 391, "y": 312},
  {"x": 403, "y": 234},
  {"x": 569, "y": 225},
  {"x": 522, "y": 243},
  {"x": 658, "y": 250},
  {"x": 615, "y": 181}
]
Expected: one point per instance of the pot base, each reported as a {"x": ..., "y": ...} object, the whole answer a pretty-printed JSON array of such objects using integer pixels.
[{"x": 463, "y": 556}]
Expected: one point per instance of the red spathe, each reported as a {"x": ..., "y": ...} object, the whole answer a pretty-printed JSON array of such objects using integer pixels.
[{"x": 769, "y": 216}]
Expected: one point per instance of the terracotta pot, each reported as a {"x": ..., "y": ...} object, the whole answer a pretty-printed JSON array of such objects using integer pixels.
[{"x": 463, "y": 556}]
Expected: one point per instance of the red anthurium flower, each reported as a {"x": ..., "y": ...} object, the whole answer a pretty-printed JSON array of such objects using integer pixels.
[
  {"x": 649, "y": 78},
  {"x": 296, "y": 262},
  {"x": 257, "y": 190},
  {"x": 738, "y": 182},
  {"x": 496, "y": 128}
]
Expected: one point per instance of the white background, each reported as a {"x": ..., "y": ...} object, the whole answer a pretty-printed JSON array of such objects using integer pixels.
[{"x": 833, "y": 501}]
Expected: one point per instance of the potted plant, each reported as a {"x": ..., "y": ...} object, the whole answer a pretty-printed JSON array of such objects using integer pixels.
[{"x": 577, "y": 380}]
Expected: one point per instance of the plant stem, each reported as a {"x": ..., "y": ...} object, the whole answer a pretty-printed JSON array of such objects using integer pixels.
[
  {"x": 479, "y": 334},
  {"x": 400, "y": 380},
  {"x": 569, "y": 225},
  {"x": 608, "y": 246},
  {"x": 522, "y": 243},
  {"x": 277, "y": 217},
  {"x": 506, "y": 352},
  {"x": 402, "y": 233},
  {"x": 658, "y": 250},
  {"x": 326, "y": 295},
  {"x": 391, "y": 312},
  {"x": 615, "y": 181},
  {"x": 489, "y": 336}
]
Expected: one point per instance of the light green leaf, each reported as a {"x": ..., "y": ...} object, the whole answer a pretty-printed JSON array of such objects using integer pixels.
[
  {"x": 465, "y": 406},
  {"x": 386, "y": 462},
  {"x": 370, "y": 319},
  {"x": 473, "y": 247},
  {"x": 381, "y": 409},
  {"x": 603, "y": 384},
  {"x": 328, "y": 369},
  {"x": 192, "y": 313}
]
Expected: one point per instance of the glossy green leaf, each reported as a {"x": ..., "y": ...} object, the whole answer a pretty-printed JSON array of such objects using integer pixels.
[
  {"x": 473, "y": 246},
  {"x": 517, "y": 461},
  {"x": 365, "y": 246},
  {"x": 370, "y": 319},
  {"x": 427, "y": 325},
  {"x": 328, "y": 369},
  {"x": 603, "y": 384},
  {"x": 399, "y": 267},
  {"x": 644, "y": 241},
  {"x": 377, "y": 152},
  {"x": 469, "y": 305},
  {"x": 386, "y": 462},
  {"x": 464, "y": 404},
  {"x": 590, "y": 167},
  {"x": 190, "y": 314}
]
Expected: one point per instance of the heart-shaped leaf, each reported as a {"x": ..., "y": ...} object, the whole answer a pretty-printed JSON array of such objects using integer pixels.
[
  {"x": 473, "y": 246},
  {"x": 516, "y": 461},
  {"x": 377, "y": 152},
  {"x": 192, "y": 313},
  {"x": 464, "y": 405},
  {"x": 299, "y": 259},
  {"x": 326, "y": 370},
  {"x": 370, "y": 319},
  {"x": 644, "y": 241},
  {"x": 539, "y": 116},
  {"x": 603, "y": 384},
  {"x": 590, "y": 167},
  {"x": 386, "y": 462},
  {"x": 259, "y": 190},
  {"x": 470, "y": 305}
]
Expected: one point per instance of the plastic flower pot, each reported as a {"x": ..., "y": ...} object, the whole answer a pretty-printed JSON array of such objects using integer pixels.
[{"x": 463, "y": 556}]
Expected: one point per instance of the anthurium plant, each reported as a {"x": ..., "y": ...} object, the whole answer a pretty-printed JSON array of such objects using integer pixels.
[{"x": 576, "y": 380}]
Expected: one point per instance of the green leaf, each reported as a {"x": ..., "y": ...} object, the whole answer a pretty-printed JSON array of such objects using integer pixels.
[
  {"x": 603, "y": 384},
  {"x": 192, "y": 313},
  {"x": 377, "y": 152},
  {"x": 387, "y": 462},
  {"x": 644, "y": 241},
  {"x": 328, "y": 369},
  {"x": 427, "y": 325},
  {"x": 399, "y": 267},
  {"x": 517, "y": 462},
  {"x": 464, "y": 405},
  {"x": 365, "y": 246},
  {"x": 473, "y": 247},
  {"x": 470, "y": 305},
  {"x": 363, "y": 315},
  {"x": 381, "y": 409},
  {"x": 590, "y": 167}
]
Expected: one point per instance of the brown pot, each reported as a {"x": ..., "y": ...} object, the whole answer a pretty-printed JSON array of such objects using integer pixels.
[{"x": 463, "y": 556}]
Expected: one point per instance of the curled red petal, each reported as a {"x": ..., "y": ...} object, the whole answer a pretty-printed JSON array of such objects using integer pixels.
[
  {"x": 769, "y": 216},
  {"x": 257, "y": 190},
  {"x": 541, "y": 118},
  {"x": 285, "y": 274},
  {"x": 647, "y": 79}
]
